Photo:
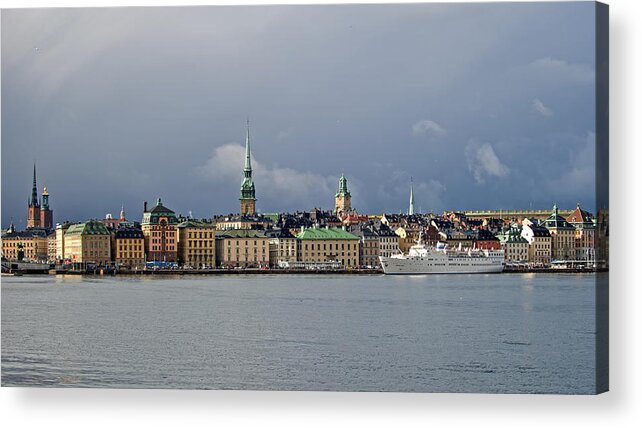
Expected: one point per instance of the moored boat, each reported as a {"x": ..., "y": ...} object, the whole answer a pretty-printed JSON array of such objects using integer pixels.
[{"x": 422, "y": 259}]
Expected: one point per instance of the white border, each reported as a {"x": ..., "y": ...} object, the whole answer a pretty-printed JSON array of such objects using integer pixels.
[{"x": 620, "y": 407}]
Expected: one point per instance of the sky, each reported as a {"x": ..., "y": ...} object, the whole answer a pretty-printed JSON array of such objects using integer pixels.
[{"x": 485, "y": 106}]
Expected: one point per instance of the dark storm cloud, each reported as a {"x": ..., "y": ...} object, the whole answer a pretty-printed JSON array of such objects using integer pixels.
[{"x": 484, "y": 105}]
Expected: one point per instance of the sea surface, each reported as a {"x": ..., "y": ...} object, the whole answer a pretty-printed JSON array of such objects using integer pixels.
[{"x": 502, "y": 333}]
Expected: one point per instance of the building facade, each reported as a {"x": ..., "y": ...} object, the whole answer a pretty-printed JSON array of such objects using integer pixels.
[
  {"x": 242, "y": 248},
  {"x": 328, "y": 245},
  {"x": 584, "y": 224},
  {"x": 88, "y": 242},
  {"x": 539, "y": 243},
  {"x": 161, "y": 236},
  {"x": 562, "y": 236},
  {"x": 515, "y": 246},
  {"x": 284, "y": 247},
  {"x": 197, "y": 244},
  {"x": 129, "y": 248},
  {"x": 28, "y": 245}
]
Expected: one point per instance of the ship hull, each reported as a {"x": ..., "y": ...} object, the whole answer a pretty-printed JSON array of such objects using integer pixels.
[{"x": 421, "y": 265}]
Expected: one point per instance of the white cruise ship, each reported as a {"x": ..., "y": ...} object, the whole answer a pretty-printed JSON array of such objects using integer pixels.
[{"x": 440, "y": 259}]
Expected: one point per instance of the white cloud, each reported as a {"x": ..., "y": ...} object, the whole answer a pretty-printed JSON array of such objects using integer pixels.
[
  {"x": 276, "y": 186},
  {"x": 539, "y": 107},
  {"x": 483, "y": 162},
  {"x": 428, "y": 127}
]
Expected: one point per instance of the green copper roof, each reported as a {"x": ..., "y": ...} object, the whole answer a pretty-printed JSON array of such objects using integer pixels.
[
  {"x": 327, "y": 234},
  {"x": 91, "y": 227},
  {"x": 343, "y": 186}
]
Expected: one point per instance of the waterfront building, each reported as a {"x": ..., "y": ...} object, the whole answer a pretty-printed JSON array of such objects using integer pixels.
[
  {"x": 60, "y": 239},
  {"x": 248, "y": 192},
  {"x": 88, "y": 242},
  {"x": 52, "y": 243},
  {"x": 562, "y": 236},
  {"x": 284, "y": 247},
  {"x": 584, "y": 224},
  {"x": 485, "y": 240},
  {"x": 515, "y": 246},
  {"x": 388, "y": 241},
  {"x": 244, "y": 248},
  {"x": 29, "y": 245},
  {"x": 342, "y": 200},
  {"x": 328, "y": 245},
  {"x": 539, "y": 242},
  {"x": 196, "y": 244},
  {"x": 129, "y": 248},
  {"x": 369, "y": 248},
  {"x": 161, "y": 237}
]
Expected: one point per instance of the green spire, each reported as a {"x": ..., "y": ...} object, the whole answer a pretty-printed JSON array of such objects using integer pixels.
[
  {"x": 247, "y": 187},
  {"x": 343, "y": 187}
]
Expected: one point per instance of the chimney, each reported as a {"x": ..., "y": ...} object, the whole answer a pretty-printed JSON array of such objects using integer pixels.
[{"x": 145, "y": 207}]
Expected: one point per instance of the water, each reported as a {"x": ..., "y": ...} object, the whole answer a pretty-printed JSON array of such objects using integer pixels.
[{"x": 510, "y": 333}]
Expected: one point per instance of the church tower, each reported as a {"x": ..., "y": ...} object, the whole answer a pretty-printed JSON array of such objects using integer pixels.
[
  {"x": 46, "y": 214},
  {"x": 248, "y": 196},
  {"x": 33, "y": 210},
  {"x": 342, "y": 198},
  {"x": 411, "y": 206}
]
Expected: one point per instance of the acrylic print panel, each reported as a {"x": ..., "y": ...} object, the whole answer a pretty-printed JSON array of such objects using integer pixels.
[{"x": 404, "y": 197}]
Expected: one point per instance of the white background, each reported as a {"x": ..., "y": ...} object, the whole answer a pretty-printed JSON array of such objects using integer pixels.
[{"x": 619, "y": 407}]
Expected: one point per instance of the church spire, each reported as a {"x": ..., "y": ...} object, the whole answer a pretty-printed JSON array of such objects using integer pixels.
[
  {"x": 248, "y": 196},
  {"x": 411, "y": 206},
  {"x": 34, "y": 190},
  {"x": 248, "y": 160}
]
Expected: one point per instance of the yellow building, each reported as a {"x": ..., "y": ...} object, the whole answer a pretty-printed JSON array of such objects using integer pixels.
[
  {"x": 562, "y": 236},
  {"x": 242, "y": 248},
  {"x": 129, "y": 248},
  {"x": 284, "y": 247},
  {"x": 196, "y": 244},
  {"x": 88, "y": 242},
  {"x": 328, "y": 245},
  {"x": 539, "y": 243},
  {"x": 30, "y": 245}
]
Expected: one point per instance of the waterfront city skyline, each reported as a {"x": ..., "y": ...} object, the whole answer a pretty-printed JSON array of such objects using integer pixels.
[{"x": 156, "y": 106}]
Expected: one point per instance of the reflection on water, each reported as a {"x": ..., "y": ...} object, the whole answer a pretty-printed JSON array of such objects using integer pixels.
[{"x": 442, "y": 333}]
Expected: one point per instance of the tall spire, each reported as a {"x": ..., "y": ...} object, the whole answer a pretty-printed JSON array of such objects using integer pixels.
[
  {"x": 34, "y": 190},
  {"x": 248, "y": 160},
  {"x": 248, "y": 196},
  {"x": 411, "y": 207}
]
